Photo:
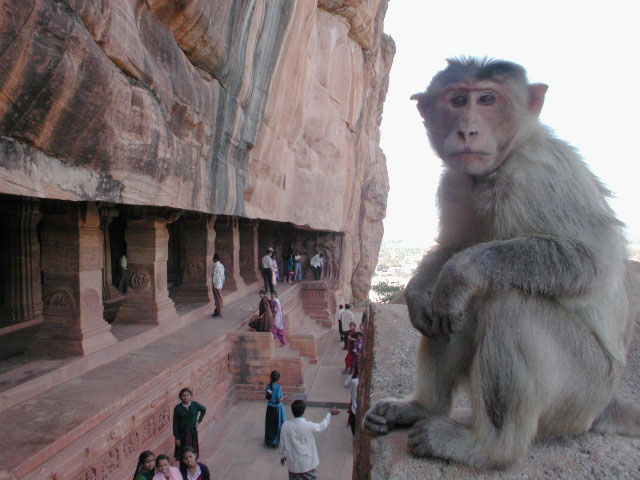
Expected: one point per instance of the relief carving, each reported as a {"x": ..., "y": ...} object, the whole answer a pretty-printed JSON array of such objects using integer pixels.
[
  {"x": 195, "y": 269},
  {"x": 130, "y": 445},
  {"x": 164, "y": 417},
  {"x": 110, "y": 464},
  {"x": 140, "y": 281},
  {"x": 148, "y": 431},
  {"x": 310, "y": 294},
  {"x": 90, "y": 474},
  {"x": 61, "y": 301}
]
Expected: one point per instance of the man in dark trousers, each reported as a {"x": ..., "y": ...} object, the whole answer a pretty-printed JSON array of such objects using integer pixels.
[
  {"x": 218, "y": 283},
  {"x": 267, "y": 270}
]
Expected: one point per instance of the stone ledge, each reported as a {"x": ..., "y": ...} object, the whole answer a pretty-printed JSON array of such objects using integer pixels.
[{"x": 586, "y": 456}]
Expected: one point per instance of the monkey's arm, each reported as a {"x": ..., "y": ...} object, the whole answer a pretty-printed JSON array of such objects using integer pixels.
[
  {"x": 418, "y": 290},
  {"x": 539, "y": 265}
]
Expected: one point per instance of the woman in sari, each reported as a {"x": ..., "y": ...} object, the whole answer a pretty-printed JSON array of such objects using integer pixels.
[
  {"x": 279, "y": 325},
  {"x": 351, "y": 345},
  {"x": 276, "y": 415},
  {"x": 187, "y": 415},
  {"x": 146, "y": 462}
]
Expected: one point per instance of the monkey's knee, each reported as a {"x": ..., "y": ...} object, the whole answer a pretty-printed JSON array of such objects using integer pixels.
[{"x": 443, "y": 437}]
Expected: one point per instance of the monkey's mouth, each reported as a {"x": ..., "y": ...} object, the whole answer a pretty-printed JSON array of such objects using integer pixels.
[{"x": 468, "y": 152}]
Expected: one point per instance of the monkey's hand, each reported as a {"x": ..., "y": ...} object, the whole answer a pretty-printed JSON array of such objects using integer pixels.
[
  {"x": 387, "y": 414},
  {"x": 450, "y": 299}
]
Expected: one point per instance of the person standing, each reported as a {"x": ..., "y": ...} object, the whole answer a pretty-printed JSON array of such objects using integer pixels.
[
  {"x": 218, "y": 283},
  {"x": 352, "y": 383},
  {"x": 317, "y": 262},
  {"x": 289, "y": 267},
  {"x": 341, "y": 332},
  {"x": 187, "y": 415},
  {"x": 276, "y": 414},
  {"x": 347, "y": 319},
  {"x": 298, "y": 445},
  {"x": 279, "y": 323},
  {"x": 298, "y": 266},
  {"x": 267, "y": 270},
  {"x": 122, "y": 284}
]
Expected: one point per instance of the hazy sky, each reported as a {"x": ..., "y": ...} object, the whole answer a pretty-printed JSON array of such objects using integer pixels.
[{"x": 588, "y": 55}]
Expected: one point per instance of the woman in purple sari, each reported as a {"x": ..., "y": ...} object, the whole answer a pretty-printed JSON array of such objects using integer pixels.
[{"x": 279, "y": 324}]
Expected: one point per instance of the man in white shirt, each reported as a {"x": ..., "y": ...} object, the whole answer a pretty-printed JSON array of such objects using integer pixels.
[
  {"x": 218, "y": 283},
  {"x": 298, "y": 445},
  {"x": 268, "y": 268},
  {"x": 317, "y": 262}
]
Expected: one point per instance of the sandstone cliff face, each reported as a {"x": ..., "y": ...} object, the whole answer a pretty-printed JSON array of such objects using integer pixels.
[{"x": 264, "y": 109}]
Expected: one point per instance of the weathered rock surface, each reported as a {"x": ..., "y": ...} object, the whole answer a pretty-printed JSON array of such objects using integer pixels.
[
  {"x": 584, "y": 456},
  {"x": 264, "y": 109}
]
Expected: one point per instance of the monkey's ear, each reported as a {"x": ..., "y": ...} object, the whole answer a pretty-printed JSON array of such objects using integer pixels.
[
  {"x": 420, "y": 97},
  {"x": 536, "y": 97}
]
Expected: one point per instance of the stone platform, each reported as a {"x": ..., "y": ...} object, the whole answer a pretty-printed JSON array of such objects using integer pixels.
[
  {"x": 587, "y": 456},
  {"x": 87, "y": 417}
]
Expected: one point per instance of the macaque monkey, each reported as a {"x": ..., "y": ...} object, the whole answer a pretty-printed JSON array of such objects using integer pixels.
[{"x": 527, "y": 296}]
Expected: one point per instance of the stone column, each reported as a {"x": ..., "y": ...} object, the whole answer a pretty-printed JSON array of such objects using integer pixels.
[
  {"x": 21, "y": 299},
  {"x": 198, "y": 249},
  {"x": 249, "y": 251},
  {"x": 109, "y": 290},
  {"x": 72, "y": 257},
  {"x": 228, "y": 247},
  {"x": 147, "y": 299}
]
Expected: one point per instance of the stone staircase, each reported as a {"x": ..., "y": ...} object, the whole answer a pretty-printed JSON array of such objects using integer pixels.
[{"x": 256, "y": 354}]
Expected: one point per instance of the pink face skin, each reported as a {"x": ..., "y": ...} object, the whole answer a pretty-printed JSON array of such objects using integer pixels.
[
  {"x": 149, "y": 463},
  {"x": 472, "y": 125},
  {"x": 189, "y": 460},
  {"x": 185, "y": 397},
  {"x": 163, "y": 467}
]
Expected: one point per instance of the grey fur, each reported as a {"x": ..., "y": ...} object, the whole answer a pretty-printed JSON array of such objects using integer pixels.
[{"x": 527, "y": 297}]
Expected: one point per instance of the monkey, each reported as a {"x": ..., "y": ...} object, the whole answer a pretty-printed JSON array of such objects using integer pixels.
[{"x": 527, "y": 297}]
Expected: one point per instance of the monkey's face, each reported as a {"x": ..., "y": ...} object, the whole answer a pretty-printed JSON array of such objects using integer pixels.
[{"x": 471, "y": 125}]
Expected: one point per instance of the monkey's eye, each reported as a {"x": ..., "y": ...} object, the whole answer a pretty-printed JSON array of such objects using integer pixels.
[
  {"x": 487, "y": 99},
  {"x": 459, "y": 101}
]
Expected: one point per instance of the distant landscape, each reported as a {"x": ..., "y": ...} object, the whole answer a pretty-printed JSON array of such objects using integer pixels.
[{"x": 399, "y": 258}]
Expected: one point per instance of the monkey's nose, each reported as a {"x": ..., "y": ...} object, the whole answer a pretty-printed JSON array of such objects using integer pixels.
[{"x": 466, "y": 133}]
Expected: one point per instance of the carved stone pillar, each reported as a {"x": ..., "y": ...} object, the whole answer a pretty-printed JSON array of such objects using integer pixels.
[
  {"x": 20, "y": 286},
  {"x": 147, "y": 299},
  {"x": 72, "y": 257},
  {"x": 228, "y": 247},
  {"x": 109, "y": 290},
  {"x": 198, "y": 249},
  {"x": 249, "y": 251}
]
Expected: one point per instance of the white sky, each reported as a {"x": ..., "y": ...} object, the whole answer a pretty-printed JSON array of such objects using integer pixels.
[{"x": 589, "y": 56}]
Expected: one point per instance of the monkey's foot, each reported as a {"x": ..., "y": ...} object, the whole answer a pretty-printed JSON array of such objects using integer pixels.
[
  {"x": 422, "y": 439},
  {"x": 443, "y": 437},
  {"x": 387, "y": 414}
]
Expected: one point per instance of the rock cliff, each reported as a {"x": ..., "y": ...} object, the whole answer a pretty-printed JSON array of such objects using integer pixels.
[{"x": 264, "y": 109}]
